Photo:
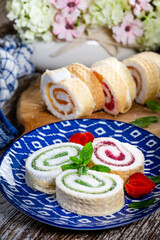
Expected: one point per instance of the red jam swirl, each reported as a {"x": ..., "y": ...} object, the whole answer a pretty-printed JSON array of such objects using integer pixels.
[
  {"x": 111, "y": 104},
  {"x": 111, "y": 155}
]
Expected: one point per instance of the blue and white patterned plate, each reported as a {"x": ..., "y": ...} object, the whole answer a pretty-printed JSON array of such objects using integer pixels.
[{"x": 45, "y": 208}]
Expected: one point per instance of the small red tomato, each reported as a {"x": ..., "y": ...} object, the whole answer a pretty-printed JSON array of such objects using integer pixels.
[
  {"x": 139, "y": 185},
  {"x": 82, "y": 138}
]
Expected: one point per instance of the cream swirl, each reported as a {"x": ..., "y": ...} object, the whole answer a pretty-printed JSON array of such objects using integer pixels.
[
  {"x": 90, "y": 194},
  {"x": 88, "y": 183},
  {"x": 113, "y": 153},
  {"x": 122, "y": 158},
  {"x": 43, "y": 166},
  {"x": 66, "y": 96}
]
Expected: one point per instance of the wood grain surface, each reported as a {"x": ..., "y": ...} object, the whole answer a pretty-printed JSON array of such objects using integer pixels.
[{"x": 14, "y": 225}]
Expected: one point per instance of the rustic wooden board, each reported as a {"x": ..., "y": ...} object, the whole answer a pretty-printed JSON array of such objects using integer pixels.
[{"x": 32, "y": 112}]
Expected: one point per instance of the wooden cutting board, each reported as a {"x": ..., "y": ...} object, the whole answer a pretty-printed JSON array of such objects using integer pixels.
[{"x": 32, "y": 112}]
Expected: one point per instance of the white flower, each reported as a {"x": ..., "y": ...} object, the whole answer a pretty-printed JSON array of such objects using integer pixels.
[
  {"x": 105, "y": 12},
  {"x": 29, "y": 35},
  {"x": 151, "y": 36},
  {"x": 47, "y": 37},
  {"x": 32, "y": 19},
  {"x": 157, "y": 4}
]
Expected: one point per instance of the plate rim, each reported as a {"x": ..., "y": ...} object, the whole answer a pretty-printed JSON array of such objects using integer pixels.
[
  {"x": 74, "y": 228},
  {"x": 63, "y": 226}
]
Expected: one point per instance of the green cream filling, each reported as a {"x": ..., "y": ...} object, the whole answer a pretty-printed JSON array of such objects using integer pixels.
[
  {"x": 53, "y": 165},
  {"x": 81, "y": 182}
]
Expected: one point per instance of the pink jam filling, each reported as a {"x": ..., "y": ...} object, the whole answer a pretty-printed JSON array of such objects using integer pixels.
[
  {"x": 109, "y": 105},
  {"x": 109, "y": 154}
]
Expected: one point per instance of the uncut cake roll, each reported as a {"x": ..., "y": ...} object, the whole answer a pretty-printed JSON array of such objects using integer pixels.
[
  {"x": 123, "y": 159},
  {"x": 43, "y": 166},
  {"x": 85, "y": 74},
  {"x": 146, "y": 77},
  {"x": 65, "y": 96},
  {"x": 90, "y": 194},
  {"x": 118, "y": 85}
]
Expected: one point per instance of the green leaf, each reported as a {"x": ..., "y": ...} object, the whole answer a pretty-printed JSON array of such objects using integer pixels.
[
  {"x": 155, "y": 179},
  {"x": 86, "y": 153},
  {"x": 153, "y": 105},
  {"x": 100, "y": 168},
  {"x": 153, "y": 119},
  {"x": 75, "y": 160},
  {"x": 82, "y": 170},
  {"x": 145, "y": 121},
  {"x": 68, "y": 166},
  {"x": 142, "y": 204}
]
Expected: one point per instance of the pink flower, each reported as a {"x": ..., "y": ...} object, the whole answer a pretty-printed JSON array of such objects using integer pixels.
[
  {"x": 70, "y": 5},
  {"x": 74, "y": 14},
  {"x": 129, "y": 30},
  {"x": 64, "y": 28},
  {"x": 140, "y": 5}
]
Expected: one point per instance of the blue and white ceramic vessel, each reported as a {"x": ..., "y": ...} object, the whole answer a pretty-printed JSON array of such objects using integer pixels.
[{"x": 45, "y": 208}]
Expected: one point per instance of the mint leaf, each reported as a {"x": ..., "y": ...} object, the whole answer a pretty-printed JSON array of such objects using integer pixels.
[
  {"x": 141, "y": 122},
  {"x": 86, "y": 153},
  {"x": 100, "y": 168},
  {"x": 153, "y": 119},
  {"x": 76, "y": 160},
  {"x": 142, "y": 204},
  {"x": 68, "y": 166},
  {"x": 153, "y": 105},
  {"x": 145, "y": 121},
  {"x": 82, "y": 170},
  {"x": 80, "y": 163},
  {"x": 155, "y": 179}
]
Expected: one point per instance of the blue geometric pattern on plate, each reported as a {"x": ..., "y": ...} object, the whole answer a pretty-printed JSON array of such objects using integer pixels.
[{"x": 45, "y": 208}]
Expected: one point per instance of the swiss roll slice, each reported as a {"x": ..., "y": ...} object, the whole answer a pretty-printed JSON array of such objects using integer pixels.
[
  {"x": 146, "y": 76},
  {"x": 85, "y": 74},
  {"x": 123, "y": 159},
  {"x": 118, "y": 85},
  {"x": 90, "y": 194},
  {"x": 154, "y": 58},
  {"x": 124, "y": 73},
  {"x": 43, "y": 166},
  {"x": 65, "y": 96}
]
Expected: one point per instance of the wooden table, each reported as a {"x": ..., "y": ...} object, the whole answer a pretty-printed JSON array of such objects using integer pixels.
[{"x": 15, "y": 225}]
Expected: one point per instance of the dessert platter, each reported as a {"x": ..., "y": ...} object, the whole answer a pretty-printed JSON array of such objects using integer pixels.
[{"x": 43, "y": 206}]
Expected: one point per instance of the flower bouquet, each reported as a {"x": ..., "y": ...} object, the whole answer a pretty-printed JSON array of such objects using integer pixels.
[{"x": 127, "y": 23}]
